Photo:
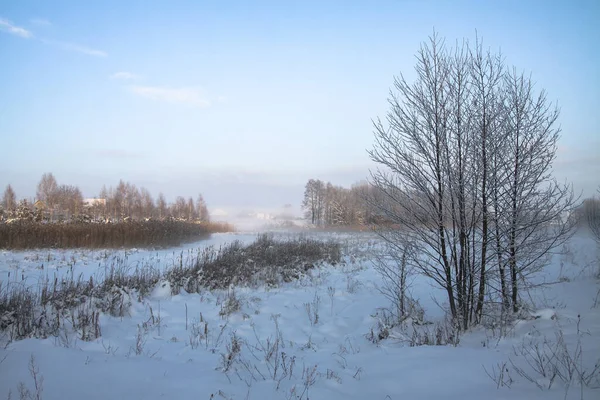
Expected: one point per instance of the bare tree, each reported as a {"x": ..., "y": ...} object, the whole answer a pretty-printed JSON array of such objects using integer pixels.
[
  {"x": 486, "y": 70},
  {"x": 69, "y": 198},
  {"x": 147, "y": 203},
  {"x": 119, "y": 201},
  {"x": 538, "y": 205},
  {"x": 161, "y": 206},
  {"x": 191, "y": 210},
  {"x": 464, "y": 173},
  {"x": 331, "y": 205},
  {"x": 47, "y": 189},
  {"x": 179, "y": 208},
  {"x": 202, "y": 209},
  {"x": 393, "y": 266},
  {"x": 592, "y": 214},
  {"x": 133, "y": 201},
  {"x": 101, "y": 208},
  {"x": 414, "y": 153},
  {"x": 9, "y": 199},
  {"x": 314, "y": 201},
  {"x": 129, "y": 201}
]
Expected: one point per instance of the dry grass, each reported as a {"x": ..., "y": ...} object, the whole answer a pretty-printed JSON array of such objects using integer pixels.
[
  {"x": 152, "y": 233},
  {"x": 74, "y": 304}
]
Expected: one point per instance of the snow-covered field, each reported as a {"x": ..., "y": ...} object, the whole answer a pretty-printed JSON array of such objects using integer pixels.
[{"x": 275, "y": 347}]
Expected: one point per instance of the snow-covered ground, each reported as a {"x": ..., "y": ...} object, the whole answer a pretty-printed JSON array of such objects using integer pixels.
[{"x": 284, "y": 353}]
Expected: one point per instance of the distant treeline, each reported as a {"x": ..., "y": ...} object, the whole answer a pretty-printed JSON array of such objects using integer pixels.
[
  {"x": 56, "y": 202},
  {"x": 363, "y": 205},
  {"x": 329, "y": 206},
  {"x": 23, "y": 234}
]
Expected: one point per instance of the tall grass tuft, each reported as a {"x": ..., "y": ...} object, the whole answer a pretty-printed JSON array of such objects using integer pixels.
[{"x": 65, "y": 306}]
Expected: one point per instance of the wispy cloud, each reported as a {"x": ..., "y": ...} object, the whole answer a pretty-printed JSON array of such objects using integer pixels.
[
  {"x": 185, "y": 95},
  {"x": 76, "y": 47},
  {"x": 40, "y": 22},
  {"x": 9, "y": 27},
  {"x": 125, "y": 76}
]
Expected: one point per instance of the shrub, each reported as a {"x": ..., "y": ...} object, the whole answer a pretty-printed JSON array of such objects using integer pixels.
[
  {"x": 73, "y": 304},
  {"x": 265, "y": 260},
  {"x": 544, "y": 361},
  {"x": 412, "y": 331}
]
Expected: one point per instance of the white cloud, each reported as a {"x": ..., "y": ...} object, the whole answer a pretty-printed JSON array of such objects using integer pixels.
[
  {"x": 185, "y": 95},
  {"x": 7, "y": 26},
  {"x": 124, "y": 76},
  {"x": 222, "y": 99},
  {"x": 77, "y": 48},
  {"x": 40, "y": 22}
]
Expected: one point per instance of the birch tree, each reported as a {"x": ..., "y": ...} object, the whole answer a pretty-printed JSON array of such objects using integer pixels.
[{"x": 464, "y": 171}]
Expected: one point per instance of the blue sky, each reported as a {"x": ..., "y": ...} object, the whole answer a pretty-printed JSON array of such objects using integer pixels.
[{"x": 245, "y": 101}]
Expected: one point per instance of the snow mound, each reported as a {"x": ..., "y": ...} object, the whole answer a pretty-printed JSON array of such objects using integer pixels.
[
  {"x": 546, "y": 314},
  {"x": 162, "y": 290}
]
